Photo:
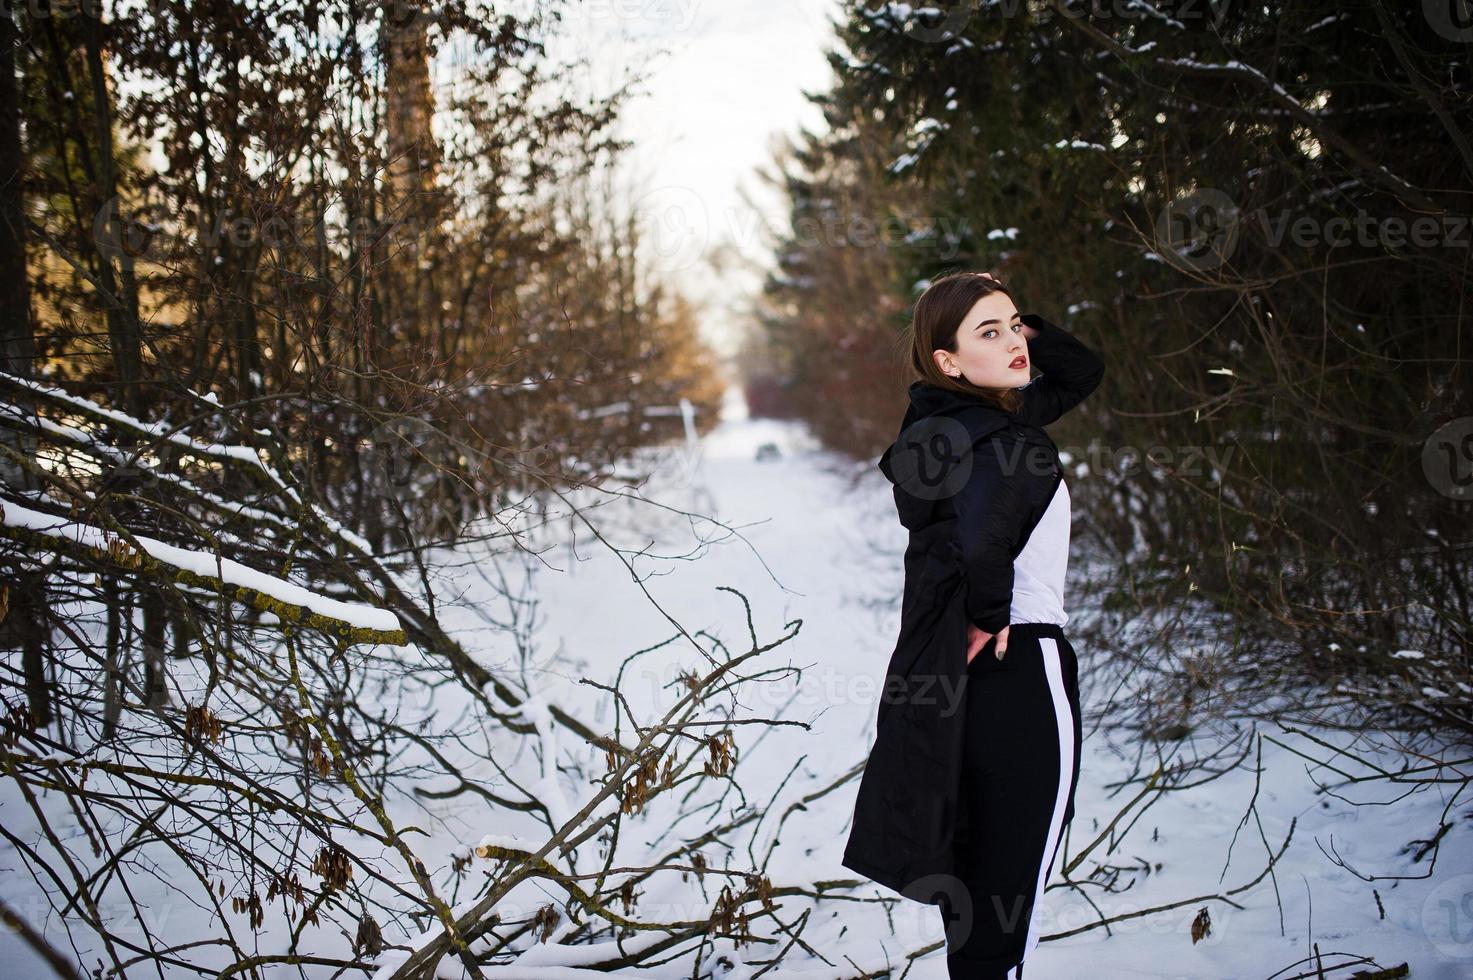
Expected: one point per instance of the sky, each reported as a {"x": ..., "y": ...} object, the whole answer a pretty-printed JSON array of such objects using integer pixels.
[{"x": 724, "y": 79}]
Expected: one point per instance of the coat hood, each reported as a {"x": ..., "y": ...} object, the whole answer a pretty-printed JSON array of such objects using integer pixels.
[{"x": 950, "y": 416}]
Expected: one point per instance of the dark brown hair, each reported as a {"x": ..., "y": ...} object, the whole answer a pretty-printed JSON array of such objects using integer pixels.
[{"x": 937, "y": 316}]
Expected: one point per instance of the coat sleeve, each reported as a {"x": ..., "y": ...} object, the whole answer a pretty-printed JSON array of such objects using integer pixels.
[
  {"x": 1070, "y": 372},
  {"x": 990, "y": 508}
]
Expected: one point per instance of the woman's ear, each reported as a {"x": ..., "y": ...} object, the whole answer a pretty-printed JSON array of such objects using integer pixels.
[{"x": 945, "y": 361}]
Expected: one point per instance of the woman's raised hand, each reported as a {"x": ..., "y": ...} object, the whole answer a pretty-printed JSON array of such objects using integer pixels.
[{"x": 976, "y": 640}]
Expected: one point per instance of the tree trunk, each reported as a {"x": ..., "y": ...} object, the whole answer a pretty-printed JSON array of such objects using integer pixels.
[
  {"x": 124, "y": 332},
  {"x": 23, "y": 607},
  {"x": 17, "y": 339}
]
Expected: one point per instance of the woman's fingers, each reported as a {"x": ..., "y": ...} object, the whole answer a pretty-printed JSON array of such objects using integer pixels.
[{"x": 976, "y": 640}]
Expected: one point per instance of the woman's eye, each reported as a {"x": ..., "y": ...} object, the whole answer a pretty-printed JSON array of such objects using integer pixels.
[{"x": 989, "y": 330}]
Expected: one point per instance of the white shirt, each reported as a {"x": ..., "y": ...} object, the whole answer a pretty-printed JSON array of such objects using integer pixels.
[{"x": 1038, "y": 571}]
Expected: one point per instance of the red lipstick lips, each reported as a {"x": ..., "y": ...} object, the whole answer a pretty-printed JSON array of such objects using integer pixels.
[{"x": 1019, "y": 362}]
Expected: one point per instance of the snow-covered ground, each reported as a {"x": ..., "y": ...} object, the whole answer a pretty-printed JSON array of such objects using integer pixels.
[{"x": 803, "y": 540}]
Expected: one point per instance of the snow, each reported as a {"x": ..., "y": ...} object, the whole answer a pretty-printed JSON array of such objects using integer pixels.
[
  {"x": 547, "y": 788},
  {"x": 903, "y": 162},
  {"x": 527, "y": 844},
  {"x": 1326, "y": 21},
  {"x": 1234, "y": 65},
  {"x": 167, "y": 431},
  {"x": 207, "y": 564},
  {"x": 1151, "y": 11},
  {"x": 808, "y": 535}
]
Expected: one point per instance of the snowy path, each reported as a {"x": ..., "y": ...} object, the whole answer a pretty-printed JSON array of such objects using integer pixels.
[
  {"x": 819, "y": 550},
  {"x": 837, "y": 549}
]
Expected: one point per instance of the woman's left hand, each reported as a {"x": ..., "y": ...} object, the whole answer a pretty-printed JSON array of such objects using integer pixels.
[{"x": 976, "y": 640}]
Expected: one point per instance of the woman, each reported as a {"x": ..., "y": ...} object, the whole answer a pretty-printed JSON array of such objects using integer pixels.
[{"x": 971, "y": 780}]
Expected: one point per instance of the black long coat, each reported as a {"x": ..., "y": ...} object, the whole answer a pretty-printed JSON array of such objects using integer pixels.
[{"x": 971, "y": 482}]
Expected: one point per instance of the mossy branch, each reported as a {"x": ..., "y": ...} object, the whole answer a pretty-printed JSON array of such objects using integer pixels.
[{"x": 124, "y": 559}]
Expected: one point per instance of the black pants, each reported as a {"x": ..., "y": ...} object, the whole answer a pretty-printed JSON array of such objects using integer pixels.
[{"x": 1019, "y": 768}]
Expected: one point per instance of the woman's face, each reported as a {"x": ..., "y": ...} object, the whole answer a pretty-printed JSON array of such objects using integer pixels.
[{"x": 991, "y": 351}]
